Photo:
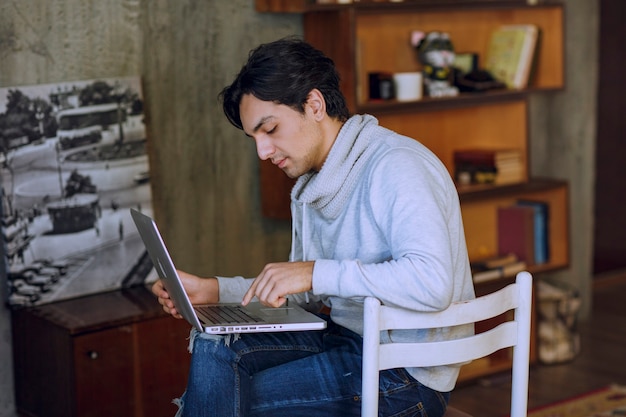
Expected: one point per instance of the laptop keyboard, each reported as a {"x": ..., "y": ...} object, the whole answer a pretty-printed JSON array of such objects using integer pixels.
[{"x": 228, "y": 315}]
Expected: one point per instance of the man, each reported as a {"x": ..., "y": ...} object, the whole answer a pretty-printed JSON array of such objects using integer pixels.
[{"x": 374, "y": 214}]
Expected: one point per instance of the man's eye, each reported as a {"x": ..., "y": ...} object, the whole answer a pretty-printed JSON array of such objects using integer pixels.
[{"x": 272, "y": 130}]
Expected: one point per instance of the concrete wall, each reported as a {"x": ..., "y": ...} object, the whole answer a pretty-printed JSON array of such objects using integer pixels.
[
  {"x": 186, "y": 51},
  {"x": 563, "y": 138}
]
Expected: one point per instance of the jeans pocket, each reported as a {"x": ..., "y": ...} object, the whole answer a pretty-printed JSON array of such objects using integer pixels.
[
  {"x": 416, "y": 410},
  {"x": 401, "y": 395},
  {"x": 393, "y": 380}
]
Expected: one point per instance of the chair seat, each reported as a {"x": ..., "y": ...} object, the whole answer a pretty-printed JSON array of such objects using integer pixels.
[{"x": 454, "y": 412}]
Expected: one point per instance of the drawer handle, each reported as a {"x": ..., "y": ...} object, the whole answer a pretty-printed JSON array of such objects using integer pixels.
[{"x": 92, "y": 354}]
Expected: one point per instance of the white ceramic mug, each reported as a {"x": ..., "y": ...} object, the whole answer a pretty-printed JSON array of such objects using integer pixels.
[{"x": 408, "y": 85}]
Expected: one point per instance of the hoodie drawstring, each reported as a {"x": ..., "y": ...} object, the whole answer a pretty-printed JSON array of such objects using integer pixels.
[{"x": 303, "y": 241}]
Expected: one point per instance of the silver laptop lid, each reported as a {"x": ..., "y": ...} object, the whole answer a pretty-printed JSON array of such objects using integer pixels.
[
  {"x": 288, "y": 318},
  {"x": 164, "y": 266}
]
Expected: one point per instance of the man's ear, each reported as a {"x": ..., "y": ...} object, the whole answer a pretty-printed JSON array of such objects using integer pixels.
[{"x": 315, "y": 101}]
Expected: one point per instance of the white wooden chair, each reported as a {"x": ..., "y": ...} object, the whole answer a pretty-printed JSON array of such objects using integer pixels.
[{"x": 513, "y": 333}]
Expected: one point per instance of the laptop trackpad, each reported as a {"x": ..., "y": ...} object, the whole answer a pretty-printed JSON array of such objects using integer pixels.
[{"x": 276, "y": 312}]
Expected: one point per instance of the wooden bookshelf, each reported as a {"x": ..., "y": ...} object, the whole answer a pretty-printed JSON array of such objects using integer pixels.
[{"x": 373, "y": 36}]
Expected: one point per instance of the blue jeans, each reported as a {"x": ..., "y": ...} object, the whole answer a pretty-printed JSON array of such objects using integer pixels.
[{"x": 292, "y": 374}]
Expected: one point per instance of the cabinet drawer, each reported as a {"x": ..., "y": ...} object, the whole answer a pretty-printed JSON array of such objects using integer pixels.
[{"x": 103, "y": 364}]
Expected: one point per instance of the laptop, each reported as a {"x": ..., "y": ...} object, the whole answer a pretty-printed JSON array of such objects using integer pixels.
[{"x": 221, "y": 318}]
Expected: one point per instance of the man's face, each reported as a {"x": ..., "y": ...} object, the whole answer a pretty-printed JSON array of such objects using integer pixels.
[{"x": 291, "y": 140}]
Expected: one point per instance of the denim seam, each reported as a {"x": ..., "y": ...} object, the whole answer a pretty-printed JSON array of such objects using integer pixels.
[
  {"x": 228, "y": 339},
  {"x": 268, "y": 348},
  {"x": 309, "y": 402}
]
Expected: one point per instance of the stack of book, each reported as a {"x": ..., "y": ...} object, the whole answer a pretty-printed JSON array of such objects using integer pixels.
[
  {"x": 523, "y": 231},
  {"x": 522, "y": 241},
  {"x": 488, "y": 166},
  {"x": 496, "y": 267}
]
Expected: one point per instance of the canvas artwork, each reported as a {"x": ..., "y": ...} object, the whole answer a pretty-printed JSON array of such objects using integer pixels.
[{"x": 73, "y": 161}]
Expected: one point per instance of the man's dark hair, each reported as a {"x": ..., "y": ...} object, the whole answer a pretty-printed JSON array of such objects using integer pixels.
[{"x": 284, "y": 72}]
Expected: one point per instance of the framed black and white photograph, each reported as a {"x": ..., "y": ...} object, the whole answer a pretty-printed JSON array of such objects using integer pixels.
[{"x": 73, "y": 161}]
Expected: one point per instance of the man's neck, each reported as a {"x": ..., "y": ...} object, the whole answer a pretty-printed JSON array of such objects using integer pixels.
[{"x": 330, "y": 131}]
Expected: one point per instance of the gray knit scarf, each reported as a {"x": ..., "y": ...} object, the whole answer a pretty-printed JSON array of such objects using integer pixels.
[{"x": 329, "y": 190}]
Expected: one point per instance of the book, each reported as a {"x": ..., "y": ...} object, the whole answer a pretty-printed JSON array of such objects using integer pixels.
[
  {"x": 516, "y": 232},
  {"x": 488, "y": 166},
  {"x": 511, "y": 53},
  {"x": 493, "y": 262},
  {"x": 502, "y": 271},
  {"x": 542, "y": 249},
  {"x": 494, "y": 267}
]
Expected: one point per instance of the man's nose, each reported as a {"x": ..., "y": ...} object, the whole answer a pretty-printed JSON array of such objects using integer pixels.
[{"x": 264, "y": 148}]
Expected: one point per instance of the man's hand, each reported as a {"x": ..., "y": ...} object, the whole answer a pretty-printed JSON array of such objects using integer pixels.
[
  {"x": 278, "y": 280},
  {"x": 199, "y": 290}
]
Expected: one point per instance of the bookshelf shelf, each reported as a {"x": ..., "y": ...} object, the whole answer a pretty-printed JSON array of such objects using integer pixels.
[
  {"x": 303, "y": 6},
  {"x": 481, "y": 192},
  {"x": 444, "y": 103},
  {"x": 373, "y": 36}
]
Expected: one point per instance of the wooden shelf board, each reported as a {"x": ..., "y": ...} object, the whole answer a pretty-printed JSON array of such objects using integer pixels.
[
  {"x": 444, "y": 103},
  {"x": 303, "y": 6},
  {"x": 480, "y": 192}
]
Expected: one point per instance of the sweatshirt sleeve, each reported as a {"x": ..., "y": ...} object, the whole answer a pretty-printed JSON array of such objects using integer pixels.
[
  {"x": 233, "y": 289},
  {"x": 415, "y": 206}
]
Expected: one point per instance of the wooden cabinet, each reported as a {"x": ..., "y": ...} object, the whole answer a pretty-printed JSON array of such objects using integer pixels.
[
  {"x": 373, "y": 36},
  {"x": 111, "y": 354}
]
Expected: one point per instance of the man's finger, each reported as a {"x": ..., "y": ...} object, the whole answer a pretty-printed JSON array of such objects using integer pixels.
[{"x": 250, "y": 293}]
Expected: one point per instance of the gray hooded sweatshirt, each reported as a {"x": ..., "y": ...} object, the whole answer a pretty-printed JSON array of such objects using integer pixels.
[{"x": 381, "y": 218}]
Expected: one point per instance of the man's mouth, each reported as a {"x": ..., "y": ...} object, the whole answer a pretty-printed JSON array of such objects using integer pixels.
[{"x": 280, "y": 163}]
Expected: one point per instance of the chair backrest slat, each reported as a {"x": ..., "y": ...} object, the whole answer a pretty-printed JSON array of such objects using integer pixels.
[
  {"x": 513, "y": 332},
  {"x": 402, "y": 355},
  {"x": 464, "y": 312}
]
